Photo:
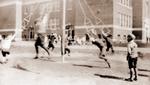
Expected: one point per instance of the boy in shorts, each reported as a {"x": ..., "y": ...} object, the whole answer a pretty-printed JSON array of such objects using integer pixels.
[
  {"x": 39, "y": 43},
  {"x": 132, "y": 57},
  {"x": 5, "y": 46}
]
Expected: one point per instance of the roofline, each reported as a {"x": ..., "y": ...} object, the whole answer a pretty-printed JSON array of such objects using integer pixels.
[
  {"x": 35, "y": 2},
  {"x": 23, "y": 3},
  {"x": 7, "y": 3}
]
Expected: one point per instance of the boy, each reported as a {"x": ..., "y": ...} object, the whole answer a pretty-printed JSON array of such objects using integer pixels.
[
  {"x": 51, "y": 39},
  {"x": 5, "y": 46},
  {"x": 101, "y": 45},
  {"x": 132, "y": 56},
  {"x": 39, "y": 42},
  {"x": 109, "y": 42}
]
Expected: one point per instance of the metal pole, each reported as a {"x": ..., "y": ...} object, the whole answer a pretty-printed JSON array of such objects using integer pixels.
[{"x": 63, "y": 30}]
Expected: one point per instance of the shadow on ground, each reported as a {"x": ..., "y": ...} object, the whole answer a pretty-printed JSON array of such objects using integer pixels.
[
  {"x": 144, "y": 70},
  {"x": 119, "y": 78},
  {"x": 89, "y": 66},
  {"x": 143, "y": 75},
  {"x": 110, "y": 77}
]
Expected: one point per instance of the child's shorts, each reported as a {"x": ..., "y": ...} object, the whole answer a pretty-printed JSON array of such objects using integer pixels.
[
  {"x": 132, "y": 62},
  {"x": 4, "y": 53}
]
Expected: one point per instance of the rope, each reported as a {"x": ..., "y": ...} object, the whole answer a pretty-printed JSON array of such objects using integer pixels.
[
  {"x": 86, "y": 18},
  {"x": 92, "y": 12},
  {"x": 28, "y": 17},
  {"x": 94, "y": 15}
]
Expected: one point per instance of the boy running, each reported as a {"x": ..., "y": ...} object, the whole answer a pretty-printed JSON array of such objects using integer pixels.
[
  {"x": 39, "y": 42},
  {"x": 101, "y": 45},
  {"x": 5, "y": 46}
]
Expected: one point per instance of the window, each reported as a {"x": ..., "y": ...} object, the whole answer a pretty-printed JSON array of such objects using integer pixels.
[
  {"x": 55, "y": 5},
  {"x": 69, "y": 5},
  {"x": 121, "y": 20},
  {"x": 130, "y": 3},
  {"x": 124, "y": 20},
  {"x": 129, "y": 21},
  {"x": 121, "y": 1},
  {"x": 54, "y": 24},
  {"x": 127, "y": 2}
]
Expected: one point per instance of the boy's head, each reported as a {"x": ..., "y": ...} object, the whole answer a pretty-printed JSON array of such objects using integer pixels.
[
  {"x": 38, "y": 34},
  {"x": 130, "y": 37},
  {"x": 99, "y": 36},
  {"x": 109, "y": 35},
  {"x": 3, "y": 36}
]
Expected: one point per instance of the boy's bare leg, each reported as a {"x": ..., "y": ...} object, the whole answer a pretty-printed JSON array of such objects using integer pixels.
[{"x": 103, "y": 57}]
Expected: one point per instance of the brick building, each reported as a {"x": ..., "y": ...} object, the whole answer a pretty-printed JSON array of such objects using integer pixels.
[
  {"x": 7, "y": 17},
  {"x": 10, "y": 12},
  {"x": 85, "y": 15},
  {"x": 115, "y": 15},
  {"x": 36, "y": 10}
]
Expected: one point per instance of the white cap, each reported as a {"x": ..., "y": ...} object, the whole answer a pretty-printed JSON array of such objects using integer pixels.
[{"x": 132, "y": 36}]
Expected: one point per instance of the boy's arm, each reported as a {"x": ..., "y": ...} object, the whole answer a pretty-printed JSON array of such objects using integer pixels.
[
  {"x": 14, "y": 35},
  {"x": 104, "y": 35},
  {"x": 128, "y": 51}
]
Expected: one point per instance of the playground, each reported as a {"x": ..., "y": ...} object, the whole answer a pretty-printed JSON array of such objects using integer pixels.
[{"x": 83, "y": 68}]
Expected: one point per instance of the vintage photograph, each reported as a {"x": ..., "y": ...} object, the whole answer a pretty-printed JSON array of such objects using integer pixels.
[{"x": 75, "y": 42}]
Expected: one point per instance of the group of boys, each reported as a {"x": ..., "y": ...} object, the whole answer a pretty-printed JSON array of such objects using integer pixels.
[{"x": 132, "y": 55}]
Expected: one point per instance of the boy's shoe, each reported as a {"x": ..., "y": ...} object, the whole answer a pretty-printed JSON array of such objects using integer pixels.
[
  {"x": 3, "y": 60},
  {"x": 129, "y": 79},
  {"x": 36, "y": 57},
  {"x": 103, "y": 55},
  {"x": 113, "y": 51},
  {"x": 135, "y": 79},
  {"x": 68, "y": 54}
]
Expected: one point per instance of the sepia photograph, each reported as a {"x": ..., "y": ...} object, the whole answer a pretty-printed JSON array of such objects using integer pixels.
[{"x": 74, "y": 42}]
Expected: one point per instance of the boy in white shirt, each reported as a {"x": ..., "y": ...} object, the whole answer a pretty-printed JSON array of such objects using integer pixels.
[
  {"x": 5, "y": 46},
  {"x": 132, "y": 56}
]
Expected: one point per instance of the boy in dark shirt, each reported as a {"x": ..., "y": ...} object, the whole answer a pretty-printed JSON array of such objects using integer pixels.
[
  {"x": 101, "y": 45},
  {"x": 39, "y": 42}
]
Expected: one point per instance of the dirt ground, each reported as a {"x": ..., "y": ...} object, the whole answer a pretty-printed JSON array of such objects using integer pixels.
[{"x": 82, "y": 67}]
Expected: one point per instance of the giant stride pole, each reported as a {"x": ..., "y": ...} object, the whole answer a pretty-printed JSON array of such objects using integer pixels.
[
  {"x": 63, "y": 30},
  {"x": 18, "y": 20}
]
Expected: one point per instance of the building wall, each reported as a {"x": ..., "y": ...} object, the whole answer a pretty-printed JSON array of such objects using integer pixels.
[
  {"x": 103, "y": 9},
  {"x": 138, "y": 18},
  {"x": 54, "y": 21},
  {"x": 7, "y": 18},
  {"x": 122, "y": 18},
  {"x": 99, "y": 13},
  {"x": 141, "y": 19},
  {"x": 115, "y": 15},
  {"x": 146, "y": 21},
  {"x": 137, "y": 13},
  {"x": 106, "y": 11}
]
